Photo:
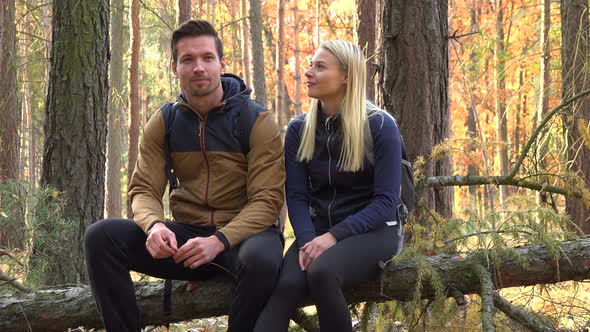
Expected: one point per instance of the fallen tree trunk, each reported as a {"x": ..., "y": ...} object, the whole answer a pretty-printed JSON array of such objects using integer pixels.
[{"x": 59, "y": 309}]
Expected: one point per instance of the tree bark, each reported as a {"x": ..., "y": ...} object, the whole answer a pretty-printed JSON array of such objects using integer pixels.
[
  {"x": 213, "y": 297},
  {"x": 245, "y": 46},
  {"x": 257, "y": 52},
  {"x": 184, "y": 11},
  {"x": 365, "y": 36},
  {"x": 74, "y": 151},
  {"x": 575, "y": 31},
  {"x": 280, "y": 108},
  {"x": 117, "y": 107},
  {"x": 297, "y": 56},
  {"x": 12, "y": 232},
  {"x": 134, "y": 98},
  {"x": 499, "y": 98},
  {"x": 9, "y": 112},
  {"x": 414, "y": 72}
]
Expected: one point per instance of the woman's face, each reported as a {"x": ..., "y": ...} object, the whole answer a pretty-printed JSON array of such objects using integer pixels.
[{"x": 325, "y": 78}]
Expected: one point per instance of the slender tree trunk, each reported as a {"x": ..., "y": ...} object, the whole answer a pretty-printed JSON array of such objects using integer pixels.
[
  {"x": 134, "y": 99},
  {"x": 500, "y": 104},
  {"x": 317, "y": 22},
  {"x": 544, "y": 83},
  {"x": 74, "y": 152},
  {"x": 520, "y": 109},
  {"x": 365, "y": 36},
  {"x": 235, "y": 39},
  {"x": 211, "y": 10},
  {"x": 184, "y": 11},
  {"x": 414, "y": 76},
  {"x": 280, "y": 66},
  {"x": 9, "y": 112},
  {"x": 575, "y": 74},
  {"x": 11, "y": 234},
  {"x": 257, "y": 51},
  {"x": 471, "y": 116},
  {"x": 297, "y": 55},
  {"x": 27, "y": 145},
  {"x": 245, "y": 46},
  {"x": 117, "y": 106}
]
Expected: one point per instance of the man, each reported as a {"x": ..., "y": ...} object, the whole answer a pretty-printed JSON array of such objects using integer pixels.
[{"x": 225, "y": 204}]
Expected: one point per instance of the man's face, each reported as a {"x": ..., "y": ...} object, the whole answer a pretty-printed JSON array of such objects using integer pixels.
[{"x": 198, "y": 67}]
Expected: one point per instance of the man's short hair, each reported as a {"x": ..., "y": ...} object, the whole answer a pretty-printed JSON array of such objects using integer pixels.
[{"x": 195, "y": 28}]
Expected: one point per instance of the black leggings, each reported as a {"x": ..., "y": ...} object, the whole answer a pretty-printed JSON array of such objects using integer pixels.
[
  {"x": 347, "y": 263},
  {"x": 114, "y": 247}
]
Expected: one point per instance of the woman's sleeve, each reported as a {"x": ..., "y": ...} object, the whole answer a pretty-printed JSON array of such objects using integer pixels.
[
  {"x": 386, "y": 181},
  {"x": 297, "y": 187}
]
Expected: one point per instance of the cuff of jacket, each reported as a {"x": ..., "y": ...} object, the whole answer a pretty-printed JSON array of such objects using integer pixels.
[
  {"x": 302, "y": 239},
  {"x": 223, "y": 239},
  {"x": 340, "y": 231},
  {"x": 147, "y": 231}
]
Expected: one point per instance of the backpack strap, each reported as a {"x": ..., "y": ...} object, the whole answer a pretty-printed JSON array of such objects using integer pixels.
[
  {"x": 247, "y": 118},
  {"x": 169, "y": 113}
]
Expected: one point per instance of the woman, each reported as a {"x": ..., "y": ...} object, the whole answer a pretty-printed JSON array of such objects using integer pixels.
[{"x": 343, "y": 161}]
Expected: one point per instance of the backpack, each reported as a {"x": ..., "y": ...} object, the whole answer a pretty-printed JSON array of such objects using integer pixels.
[{"x": 407, "y": 189}]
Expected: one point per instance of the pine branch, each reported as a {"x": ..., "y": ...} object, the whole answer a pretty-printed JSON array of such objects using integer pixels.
[
  {"x": 486, "y": 292},
  {"x": 522, "y": 316},
  {"x": 510, "y": 179}
]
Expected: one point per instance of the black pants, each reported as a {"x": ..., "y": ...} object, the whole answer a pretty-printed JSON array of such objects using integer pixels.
[
  {"x": 114, "y": 247},
  {"x": 347, "y": 263}
]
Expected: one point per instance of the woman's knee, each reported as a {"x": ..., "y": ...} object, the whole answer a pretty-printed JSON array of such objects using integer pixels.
[{"x": 321, "y": 276}]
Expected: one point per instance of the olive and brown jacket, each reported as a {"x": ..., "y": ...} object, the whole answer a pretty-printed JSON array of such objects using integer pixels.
[{"x": 219, "y": 185}]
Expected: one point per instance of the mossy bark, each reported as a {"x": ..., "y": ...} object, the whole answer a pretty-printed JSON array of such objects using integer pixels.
[
  {"x": 58, "y": 309},
  {"x": 75, "y": 131}
]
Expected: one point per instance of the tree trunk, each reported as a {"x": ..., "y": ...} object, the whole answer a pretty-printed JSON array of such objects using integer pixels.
[
  {"x": 500, "y": 104},
  {"x": 211, "y": 11},
  {"x": 543, "y": 105},
  {"x": 213, "y": 297},
  {"x": 471, "y": 117},
  {"x": 184, "y": 11},
  {"x": 297, "y": 56},
  {"x": 414, "y": 72},
  {"x": 245, "y": 46},
  {"x": 117, "y": 107},
  {"x": 257, "y": 52},
  {"x": 365, "y": 36},
  {"x": 575, "y": 76},
  {"x": 74, "y": 152},
  {"x": 134, "y": 99},
  {"x": 9, "y": 112},
  {"x": 12, "y": 231},
  {"x": 280, "y": 110}
]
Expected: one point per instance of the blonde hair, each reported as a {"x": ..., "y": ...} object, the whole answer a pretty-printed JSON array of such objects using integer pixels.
[{"x": 353, "y": 109}]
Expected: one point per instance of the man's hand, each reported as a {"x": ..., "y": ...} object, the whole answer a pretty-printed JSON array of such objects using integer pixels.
[
  {"x": 161, "y": 242},
  {"x": 198, "y": 251},
  {"x": 314, "y": 248}
]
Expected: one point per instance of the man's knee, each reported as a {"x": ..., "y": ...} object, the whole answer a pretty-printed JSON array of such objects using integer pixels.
[
  {"x": 262, "y": 257},
  {"x": 95, "y": 237},
  {"x": 100, "y": 235}
]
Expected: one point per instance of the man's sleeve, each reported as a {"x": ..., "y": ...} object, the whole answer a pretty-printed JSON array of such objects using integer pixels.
[
  {"x": 148, "y": 182},
  {"x": 266, "y": 179}
]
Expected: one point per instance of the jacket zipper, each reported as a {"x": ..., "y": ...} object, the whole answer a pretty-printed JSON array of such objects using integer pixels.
[
  {"x": 204, "y": 152},
  {"x": 329, "y": 130}
]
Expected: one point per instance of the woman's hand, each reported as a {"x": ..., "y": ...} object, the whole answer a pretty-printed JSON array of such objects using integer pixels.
[{"x": 314, "y": 248}]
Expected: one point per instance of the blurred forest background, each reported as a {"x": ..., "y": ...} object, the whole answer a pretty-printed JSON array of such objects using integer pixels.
[{"x": 491, "y": 97}]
